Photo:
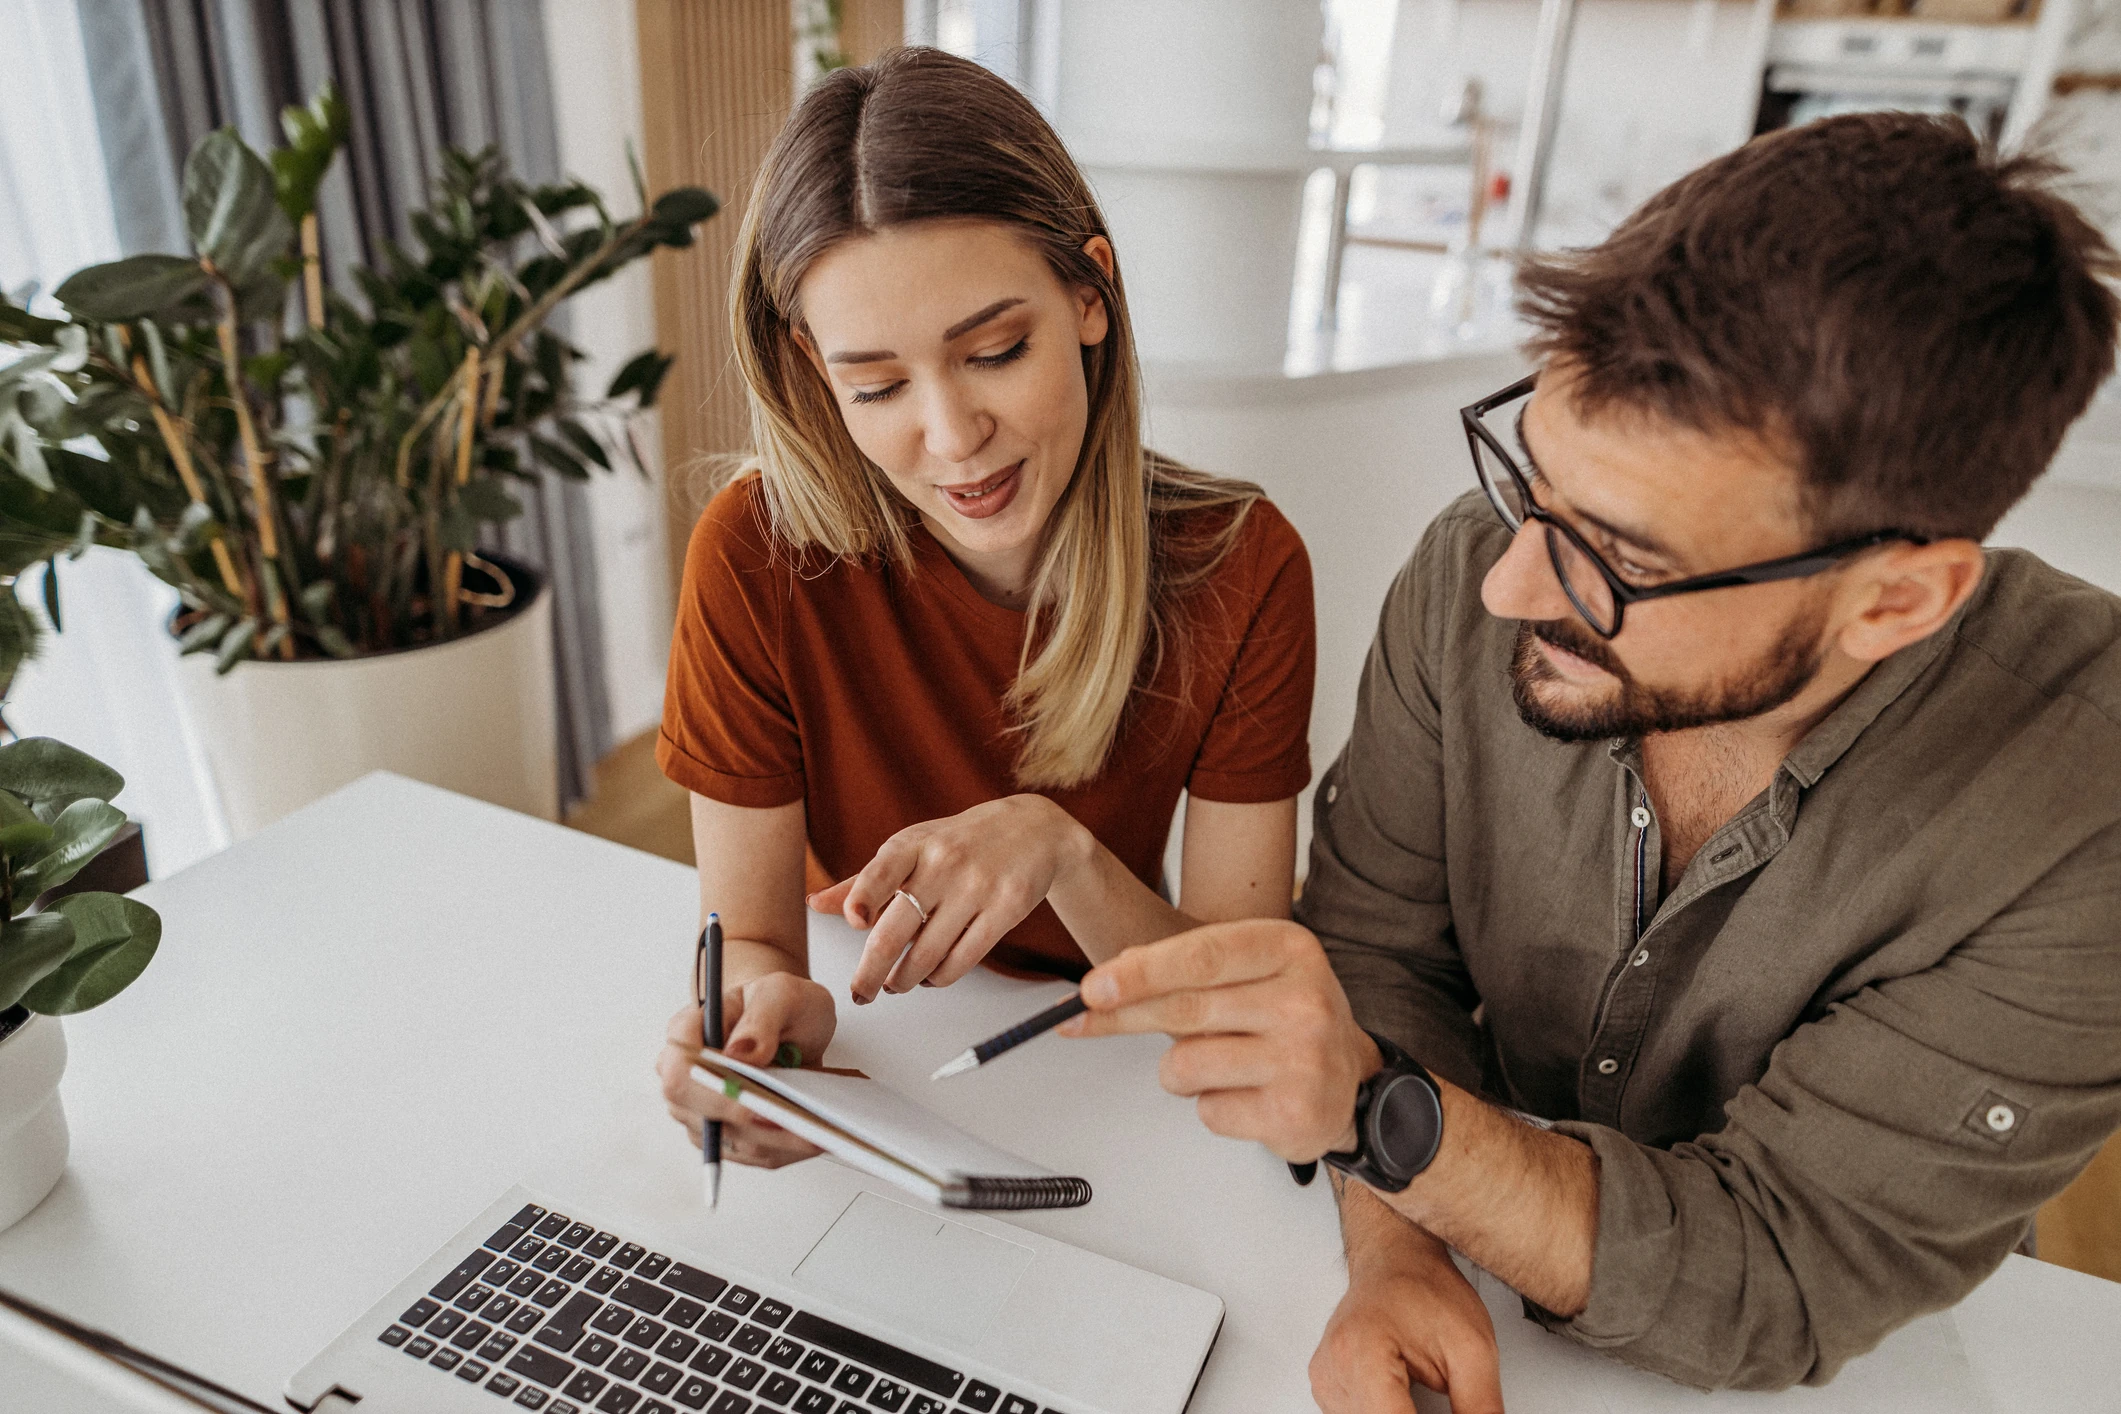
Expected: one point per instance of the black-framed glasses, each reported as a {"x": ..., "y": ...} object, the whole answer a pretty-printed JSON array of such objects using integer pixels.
[{"x": 1600, "y": 595}]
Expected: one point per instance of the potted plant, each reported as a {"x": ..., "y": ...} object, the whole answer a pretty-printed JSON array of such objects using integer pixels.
[
  {"x": 74, "y": 953},
  {"x": 312, "y": 472}
]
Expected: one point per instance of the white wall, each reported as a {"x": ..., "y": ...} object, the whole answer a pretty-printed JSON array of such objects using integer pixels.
[{"x": 596, "y": 90}]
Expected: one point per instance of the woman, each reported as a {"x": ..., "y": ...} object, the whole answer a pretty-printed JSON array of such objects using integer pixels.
[{"x": 955, "y": 635}]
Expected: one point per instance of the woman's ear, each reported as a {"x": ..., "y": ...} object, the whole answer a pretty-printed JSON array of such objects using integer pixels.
[{"x": 1092, "y": 319}]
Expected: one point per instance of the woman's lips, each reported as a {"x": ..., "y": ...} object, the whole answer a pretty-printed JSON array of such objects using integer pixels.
[{"x": 979, "y": 499}]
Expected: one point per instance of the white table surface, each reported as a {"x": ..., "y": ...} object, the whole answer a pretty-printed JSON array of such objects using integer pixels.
[{"x": 369, "y": 1020}]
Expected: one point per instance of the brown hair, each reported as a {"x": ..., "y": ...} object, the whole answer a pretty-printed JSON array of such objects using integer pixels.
[
  {"x": 1914, "y": 320},
  {"x": 921, "y": 135}
]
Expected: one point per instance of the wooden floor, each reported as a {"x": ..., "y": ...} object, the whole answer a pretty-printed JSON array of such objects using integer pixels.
[{"x": 636, "y": 805}]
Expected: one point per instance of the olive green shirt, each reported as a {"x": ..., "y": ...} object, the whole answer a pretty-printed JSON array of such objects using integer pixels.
[{"x": 1832, "y": 1071}]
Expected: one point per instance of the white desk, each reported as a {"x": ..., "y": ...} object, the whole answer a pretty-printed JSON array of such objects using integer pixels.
[{"x": 369, "y": 1020}]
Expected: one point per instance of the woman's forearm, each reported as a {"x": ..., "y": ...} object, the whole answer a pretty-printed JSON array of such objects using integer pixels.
[{"x": 1102, "y": 904}]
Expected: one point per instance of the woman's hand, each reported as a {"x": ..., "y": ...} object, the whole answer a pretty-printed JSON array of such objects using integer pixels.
[
  {"x": 757, "y": 1018},
  {"x": 977, "y": 875}
]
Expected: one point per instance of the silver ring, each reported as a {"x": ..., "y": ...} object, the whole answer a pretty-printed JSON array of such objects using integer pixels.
[{"x": 912, "y": 903}]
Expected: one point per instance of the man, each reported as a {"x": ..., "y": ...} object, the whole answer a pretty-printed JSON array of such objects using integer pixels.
[{"x": 1736, "y": 843}]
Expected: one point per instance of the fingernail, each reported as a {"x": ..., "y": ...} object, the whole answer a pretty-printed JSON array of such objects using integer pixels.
[
  {"x": 860, "y": 1000},
  {"x": 861, "y": 915},
  {"x": 1073, "y": 1026},
  {"x": 925, "y": 982},
  {"x": 1100, "y": 991}
]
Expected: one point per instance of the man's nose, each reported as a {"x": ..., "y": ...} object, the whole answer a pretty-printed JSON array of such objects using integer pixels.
[{"x": 1522, "y": 584}]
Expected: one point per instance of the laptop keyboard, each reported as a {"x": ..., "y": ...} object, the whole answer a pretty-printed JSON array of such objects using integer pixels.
[{"x": 552, "y": 1315}]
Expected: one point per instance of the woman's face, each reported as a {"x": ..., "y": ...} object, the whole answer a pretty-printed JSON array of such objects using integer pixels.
[{"x": 955, "y": 355}]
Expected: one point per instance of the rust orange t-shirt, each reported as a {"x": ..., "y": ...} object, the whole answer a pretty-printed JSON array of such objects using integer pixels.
[{"x": 875, "y": 696}]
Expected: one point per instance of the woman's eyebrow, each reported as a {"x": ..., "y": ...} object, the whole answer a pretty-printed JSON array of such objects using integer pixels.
[
  {"x": 955, "y": 331},
  {"x": 1636, "y": 538}
]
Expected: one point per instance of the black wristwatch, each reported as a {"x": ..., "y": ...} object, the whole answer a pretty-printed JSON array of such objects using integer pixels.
[{"x": 1398, "y": 1123}]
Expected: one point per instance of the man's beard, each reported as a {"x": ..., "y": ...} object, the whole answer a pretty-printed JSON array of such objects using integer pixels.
[{"x": 1783, "y": 672}]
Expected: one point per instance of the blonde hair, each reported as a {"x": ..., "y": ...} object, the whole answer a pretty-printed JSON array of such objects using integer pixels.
[{"x": 922, "y": 135}]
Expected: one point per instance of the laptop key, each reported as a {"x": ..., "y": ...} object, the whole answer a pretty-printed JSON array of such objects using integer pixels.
[
  {"x": 498, "y": 1347},
  {"x": 586, "y": 1384},
  {"x": 628, "y": 1364},
  {"x": 694, "y": 1282},
  {"x": 543, "y": 1366},
  {"x": 710, "y": 1360},
  {"x": 731, "y": 1403},
  {"x": 577, "y": 1235},
  {"x": 651, "y": 1266},
  {"x": 656, "y": 1406},
  {"x": 463, "y": 1275},
  {"x": 560, "y": 1338},
  {"x": 471, "y": 1370},
  {"x": 503, "y": 1385},
  {"x": 1017, "y": 1404},
  {"x": 914, "y": 1370},
  {"x": 628, "y": 1254},
  {"x": 420, "y": 1348},
  {"x": 553, "y": 1224},
  {"x": 526, "y": 1249},
  {"x": 472, "y": 1297},
  {"x": 694, "y": 1392},
  {"x": 619, "y": 1400},
  {"x": 740, "y": 1299},
  {"x": 525, "y": 1320},
  {"x": 927, "y": 1404},
  {"x": 417, "y": 1314},
  {"x": 570, "y": 1320},
  {"x": 445, "y": 1324},
  {"x": 550, "y": 1259},
  {"x": 745, "y": 1375},
  {"x": 551, "y": 1293},
  {"x": 501, "y": 1273},
  {"x": 578, "y": 1268},
  {"x": 779, "y": 1389},
  {"x": 471, "y": 1335},
  {"x": 813, "y": 1401},
  {"x": 642, "y": 1297},
  {"x": 771, "y": 1313},
  {"x": 979, "y": 1397},
  {"x": 662, "y": 1379},
  {"x": 718, "y": 1325},
  {"x": 677, "y": 1345},
  {"x": 783, "y": 1354},
  {"x": 596, "y": 1350},
  {"x": 644, "y": 1333},
  {"x": 600, "y": 1245},
  {"x": 612, "y": 1319},
  {"x": 750, "y": 1340},
  {"x": 507, "y": 1237},
  {"x": 525, "y": 1284},
  {"x": 526, "y": 1215},
  {"x": 817, "y": 1365},
  {"x": 561, "y": 1406},
  {"x": 853, "y": 1380},
  {"x": 530, "y": 1396},
  {"x": 683, "y": 1313},
  {"x": 499, "y": 1308},
  {"x": 889, "y": 1396},
  {"x": 445, "y": 1359},
  {"x": 607, "y": 1277},
  {"x": 396, "y": 1335}
]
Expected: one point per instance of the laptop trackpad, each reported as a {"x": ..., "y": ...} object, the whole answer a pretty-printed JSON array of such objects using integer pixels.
[{"x": 915, "y": 1269}]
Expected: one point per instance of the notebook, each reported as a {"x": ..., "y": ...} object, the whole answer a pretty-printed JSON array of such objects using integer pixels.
[{"x": 881, "y": 1132}]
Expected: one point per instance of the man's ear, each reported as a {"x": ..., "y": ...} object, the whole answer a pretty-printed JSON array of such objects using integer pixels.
[
  {"x": 1093, "y": 320},
  {"x": 1908, "y": 593}
]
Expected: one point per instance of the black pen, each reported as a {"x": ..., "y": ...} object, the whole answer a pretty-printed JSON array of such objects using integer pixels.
[
  {"x": 711, "y": 1036},
  {"x": 1015, "y": 1036}
]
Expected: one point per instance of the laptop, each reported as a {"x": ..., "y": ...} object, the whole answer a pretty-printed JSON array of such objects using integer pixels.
[{"x": 848, "y": 1301}]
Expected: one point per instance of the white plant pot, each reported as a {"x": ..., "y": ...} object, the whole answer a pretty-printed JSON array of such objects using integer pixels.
[
  {"x": 475, "y": 715},
  {"x": 32, "y": 1124}
]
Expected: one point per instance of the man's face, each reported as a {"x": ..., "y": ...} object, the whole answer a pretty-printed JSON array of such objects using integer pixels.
[{"x": 1658, "y": 503}]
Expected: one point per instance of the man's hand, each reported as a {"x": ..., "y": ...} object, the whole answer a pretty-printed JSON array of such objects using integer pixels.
[
  {"x": 1408, "y": 1316},
  {"x": 1264, "y": 1035}
]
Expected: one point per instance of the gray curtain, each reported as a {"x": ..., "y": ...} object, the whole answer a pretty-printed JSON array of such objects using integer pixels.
[{"x": 417, "y": 76}]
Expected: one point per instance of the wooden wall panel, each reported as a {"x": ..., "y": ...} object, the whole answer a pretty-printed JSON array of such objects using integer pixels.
[
  {"x": 869, "y": 27},
  {"x": 716, "y": 84}
]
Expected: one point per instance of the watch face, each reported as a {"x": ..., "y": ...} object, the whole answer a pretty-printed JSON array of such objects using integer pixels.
[{"x": 1406, "y": 1125}]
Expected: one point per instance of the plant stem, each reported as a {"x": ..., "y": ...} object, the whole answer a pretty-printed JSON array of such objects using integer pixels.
[
  {"x": 265, "y": 510},
  {"x": 174, "y": 438},
  {"x": 312, "y": 272}
]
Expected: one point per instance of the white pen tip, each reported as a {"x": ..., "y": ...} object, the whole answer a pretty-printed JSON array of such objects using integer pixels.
[
  {"x": 957, "y": 1065},
  {"x": 711, "y": 1184}
]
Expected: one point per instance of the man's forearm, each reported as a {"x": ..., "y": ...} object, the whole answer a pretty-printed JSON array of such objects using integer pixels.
[{"x": 1519, "y": 1200}]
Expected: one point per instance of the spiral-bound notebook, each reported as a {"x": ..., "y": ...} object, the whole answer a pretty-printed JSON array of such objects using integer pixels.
[{"x": 881, "y": 1132}]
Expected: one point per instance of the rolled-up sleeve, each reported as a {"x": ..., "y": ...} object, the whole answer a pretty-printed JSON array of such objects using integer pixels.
[
  {"x": 1376, "y": 893},
  {"x": 1886, "y": 1162}
]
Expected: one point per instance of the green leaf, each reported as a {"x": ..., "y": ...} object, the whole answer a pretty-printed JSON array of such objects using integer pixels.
[
  {"x": 20, "y": 633},
  {"x": 643, "y": 374},
  {"x": 204, "y": 634},
  {"x": 584, "y": 442},
  {"x": 314, "y": 134},
  {"x": 51, "y": 594},
  {"x": 29, "y": 949},
  {"x": 558, "y": 458},
  {"x": 28, "y": 451},
  {"x": 457, "y": 529},
  {"x": 315, "y": 600},
  {"x": 231, "y": 209},
  {"x": 233, "y": 645},
  {"x": 19, "y": 326},
  {"x": 114, "y": 940},
  {"x": 334, "y": 642},
  {"x": 20, "y": 829},
  {"x": 78, "y": 836},
  {"x": 686, "y": 206},
  {"x": 484, "y": 498},
  {"x": 40, "y": 768},
  {"x": 162, "y": 285}
]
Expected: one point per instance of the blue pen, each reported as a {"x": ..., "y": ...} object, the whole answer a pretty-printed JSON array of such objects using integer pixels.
[{"x": 711, "y": 1036}]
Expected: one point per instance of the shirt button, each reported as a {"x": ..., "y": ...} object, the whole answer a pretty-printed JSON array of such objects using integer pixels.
[
  {"x": 1640, "y": 817},
  {"x": 2001, "y": 1118},
  {"x": 1332, "y": 794},
  {"x": 1642, "y": 956},
  {"x": 1609, "y": 1065}
]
